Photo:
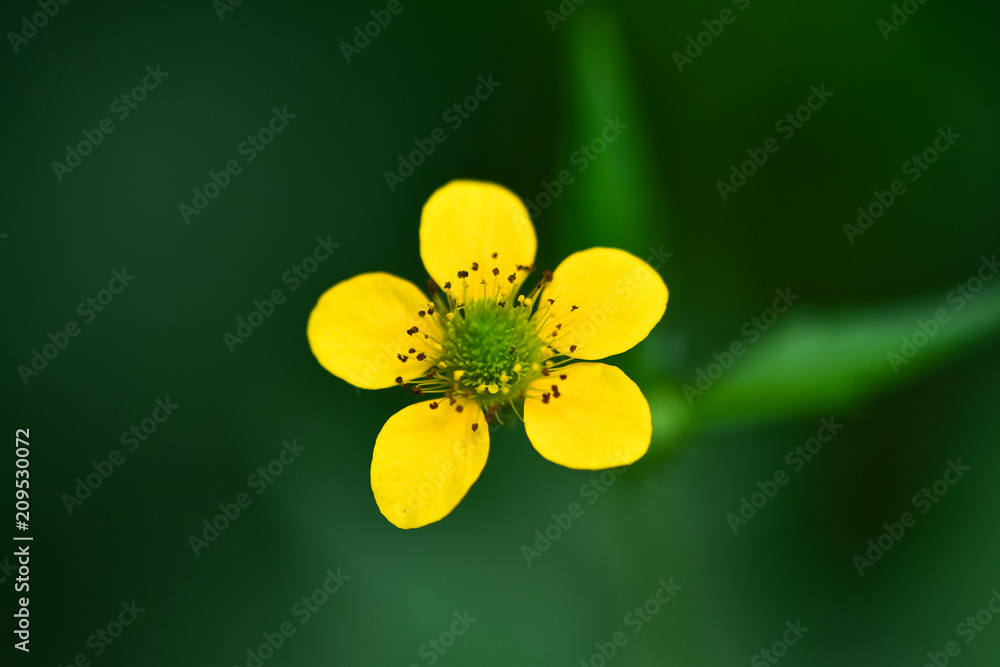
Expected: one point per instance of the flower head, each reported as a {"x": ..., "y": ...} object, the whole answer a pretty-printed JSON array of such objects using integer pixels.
[{"x": 485, "y": 342}]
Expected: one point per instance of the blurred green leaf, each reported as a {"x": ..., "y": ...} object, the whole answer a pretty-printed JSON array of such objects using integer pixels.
[{"x": 814, "y": 363}]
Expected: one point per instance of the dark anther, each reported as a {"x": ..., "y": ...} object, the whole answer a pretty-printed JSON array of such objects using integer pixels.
[
  {"x": 573, "y": 308},
  {"x": 545, "y": 398},
  {"x": 430, "y": 311},
  {"x": 494, "y": 255},
  {"x": 432, "y": 287},
  {"x": 463, "y": 274},
  {"x": 545, "y": 372},
  {"x": 447, "y": 285},
  {"x": 547, "y": 276},
  {"x": 496, "y": 271},
  {"x": 511, "y": 278},
  {"x": 421, "y": 313},
  {"x": 434, "y": 405},
  {"x": 412, "y": 330},
  {"x": 399, "y": 380},
  {"x": 430, "y": 375},
  {"x": 421, "y": 356},
  {"x": 552, "y": 302},
  {"x": 475, "y": 266},
  {"x": 559, "y": 326},
  {"x": 502, "y": 304},
  {"x": 402, "y": 358},
  {"x": 413, "y": 350},
  {"x": 562, "y": 377},
  {"x": 511, "y": 351},
  {"x": 458, "y": 408},
  {"x": 572, "y": 348},
  {"x": 489, "y": 418},
  {"x": 475, "y": 426},
  {"x": 555, "y": 391},
  {"x": 418, "y": 391}
]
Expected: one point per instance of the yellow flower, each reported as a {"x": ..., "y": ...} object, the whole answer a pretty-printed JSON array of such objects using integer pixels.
[{"x": 479, "y": 348}]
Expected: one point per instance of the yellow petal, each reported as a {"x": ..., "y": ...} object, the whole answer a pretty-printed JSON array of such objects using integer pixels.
[
  {"x": 426, "y": 460},
  {"x": 359, "y": 326},
  {"x": 619, "y": 299},
  {"x": 600, "y": 419},
  {"x": 465, "y": 223}
]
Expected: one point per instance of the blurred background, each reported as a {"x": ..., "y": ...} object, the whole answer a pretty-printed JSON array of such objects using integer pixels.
[{"x": 748, "y": 134}]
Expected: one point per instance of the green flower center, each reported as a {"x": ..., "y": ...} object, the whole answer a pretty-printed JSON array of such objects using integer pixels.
[
  {"x": 491, "y": 350},
  {"x": 484, "y": 345}
]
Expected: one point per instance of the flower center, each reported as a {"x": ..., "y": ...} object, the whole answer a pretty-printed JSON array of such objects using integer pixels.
[
  {"x": 484, "y": 343},
  {"x": 492, "y": 349}
]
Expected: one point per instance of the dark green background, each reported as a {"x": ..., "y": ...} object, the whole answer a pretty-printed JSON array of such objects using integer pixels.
[{"x": 653, "y": 188}]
